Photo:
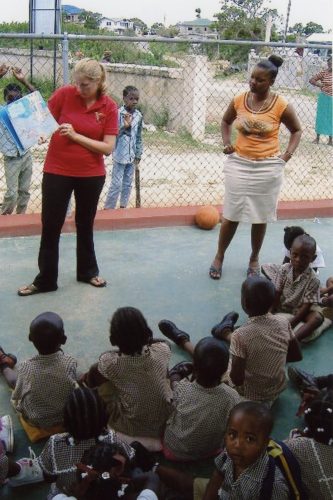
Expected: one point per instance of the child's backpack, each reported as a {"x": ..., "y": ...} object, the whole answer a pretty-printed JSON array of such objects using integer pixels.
[{"x": 280, "y": 456}]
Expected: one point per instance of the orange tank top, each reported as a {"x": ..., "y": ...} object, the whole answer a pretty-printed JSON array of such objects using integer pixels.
[{"x": 257, "y": 132}]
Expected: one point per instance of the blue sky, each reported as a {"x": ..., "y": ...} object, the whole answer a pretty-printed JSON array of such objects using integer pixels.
[{"x": 173, "y": 11}]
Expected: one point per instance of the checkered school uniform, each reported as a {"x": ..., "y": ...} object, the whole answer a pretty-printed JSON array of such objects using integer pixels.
[
  {"x": 263, "y": 342},
  {"x": 139, "y": 399},
  {"x": 59, "y": 457},
  {"x": 316, "y": 463},
  {"x": 295, "y": 292},
  {"x": 197, "y": 424},
  {"x": 43, "y": 385},
  {"x": 248, "y": 484}
]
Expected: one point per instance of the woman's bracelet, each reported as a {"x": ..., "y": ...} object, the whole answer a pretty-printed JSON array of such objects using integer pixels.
[{"x": 288, "y": 153}]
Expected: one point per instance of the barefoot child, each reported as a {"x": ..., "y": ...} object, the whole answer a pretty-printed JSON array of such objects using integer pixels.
[
  {"x": 261, "y": 347},
  {"x": 298, "y": 289},
  {"x": 43, "y": 383},
  {"x": 201, "y": 407}
]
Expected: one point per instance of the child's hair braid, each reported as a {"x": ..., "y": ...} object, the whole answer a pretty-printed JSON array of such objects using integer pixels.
[
  {"x": 319, "y": 421},
  {"x": 84, "y": 415}
]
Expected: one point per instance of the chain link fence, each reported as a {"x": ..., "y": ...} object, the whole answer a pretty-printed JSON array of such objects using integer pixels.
[{"x": 185, "y": 87}]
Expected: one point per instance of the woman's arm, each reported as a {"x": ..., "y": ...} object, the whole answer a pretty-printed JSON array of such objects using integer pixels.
[
  {"x": 316, "y": 80},
  {"x": 226, "y": 127},
  {"x": 290, "y": 120},
  {"x": 104, "y": 147}
]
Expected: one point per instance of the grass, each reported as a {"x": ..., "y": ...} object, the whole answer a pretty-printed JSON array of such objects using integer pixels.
[{"x": 176, "y": 141}]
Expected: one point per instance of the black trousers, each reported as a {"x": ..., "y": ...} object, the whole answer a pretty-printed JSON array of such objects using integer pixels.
[{"x": 56, "y": 194}]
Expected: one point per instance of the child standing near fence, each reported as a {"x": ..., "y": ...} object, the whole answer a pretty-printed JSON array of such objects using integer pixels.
[
  {"x": 128, "y": 150},
  {"x": 18, "y": 168}
]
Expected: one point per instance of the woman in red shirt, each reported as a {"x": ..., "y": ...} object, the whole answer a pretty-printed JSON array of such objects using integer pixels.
[{"x": 88, "y": 126}]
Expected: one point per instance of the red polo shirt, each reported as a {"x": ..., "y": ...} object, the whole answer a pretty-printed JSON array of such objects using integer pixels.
[{"x": 66, "y": 157}]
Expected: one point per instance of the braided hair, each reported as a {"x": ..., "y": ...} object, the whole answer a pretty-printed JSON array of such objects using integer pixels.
[
  {"x": 319, "y": 421},
  {"x": 85, "y": 415}
]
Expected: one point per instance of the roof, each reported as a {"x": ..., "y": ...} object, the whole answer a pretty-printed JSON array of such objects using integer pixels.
[
  {"x": 320, "y": 38},
  {"x": 116, "y": 19},
  {"x": 71, "y": 9},
  {"x": 196, "y": 22}
]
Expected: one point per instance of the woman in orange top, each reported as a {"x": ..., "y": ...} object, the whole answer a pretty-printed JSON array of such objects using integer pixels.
[{"x": 254, "y": 167}]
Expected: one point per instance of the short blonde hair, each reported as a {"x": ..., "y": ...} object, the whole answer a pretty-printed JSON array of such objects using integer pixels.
[{"x": 92, "y": 69}]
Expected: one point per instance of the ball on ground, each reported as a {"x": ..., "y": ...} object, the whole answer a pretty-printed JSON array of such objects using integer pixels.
[{"x": 207, "y": 217}]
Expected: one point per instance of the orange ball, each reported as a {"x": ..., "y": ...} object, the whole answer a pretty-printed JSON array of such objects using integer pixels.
[{"x": 207, "y": 217}]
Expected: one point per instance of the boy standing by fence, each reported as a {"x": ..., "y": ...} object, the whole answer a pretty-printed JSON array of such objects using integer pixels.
[
  {"x": 128, "y": 150},
  {"x": 18, "y": 168}
]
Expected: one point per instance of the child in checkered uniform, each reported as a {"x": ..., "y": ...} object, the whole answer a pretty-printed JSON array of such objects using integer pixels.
[
  {"x": 42, "y": 384},
  {"x": 313, "y": 449},
  {"x": 134, "y": 378},
  {"x": 298, "y": 290}
]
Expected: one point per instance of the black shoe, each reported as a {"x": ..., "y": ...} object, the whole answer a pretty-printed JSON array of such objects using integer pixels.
[
  {"x": 228, "y": 322},
  {"x": 173, "y": 333},
  {"x": 144, "y": 459},
  {"x": 301, "y": 379},
  {"x": 183, "y": 369}
]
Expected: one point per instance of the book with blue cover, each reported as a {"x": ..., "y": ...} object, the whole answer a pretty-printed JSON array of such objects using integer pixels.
[{"x": 24, "y": 122}]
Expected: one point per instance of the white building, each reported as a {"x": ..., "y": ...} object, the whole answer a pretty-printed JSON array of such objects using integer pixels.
[{"x": 116, "y": 25}]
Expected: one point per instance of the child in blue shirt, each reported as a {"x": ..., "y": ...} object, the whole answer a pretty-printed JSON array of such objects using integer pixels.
[
  {"x": 18, "y": 168},
  {"x": 128, "y": 150}
]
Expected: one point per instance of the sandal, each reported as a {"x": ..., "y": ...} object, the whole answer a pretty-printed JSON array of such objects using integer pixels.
[
  {"x": 97, "y": 281},
  {"x": 225, "y": 326},
  {"x": 24, "y": 291},
  {"x": 182, "y": 369},
  {"x": 215, "y": 272},
  {"x": 170, "y": 330},
  {"x": 253, "y": 272}
]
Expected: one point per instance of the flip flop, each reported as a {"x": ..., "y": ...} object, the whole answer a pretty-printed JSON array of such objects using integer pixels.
[
  {"x": 253, "y": 272},
  {"x": 97, "y": 281},
  {"x": 27, "y": 290},
  {"x": 215, "y": 272}
]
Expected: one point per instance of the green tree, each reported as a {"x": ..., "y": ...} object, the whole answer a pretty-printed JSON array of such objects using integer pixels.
[
  {"x": 242, "y": 20},
  {"x": 313, "y": 28},
  {"x": 139, "y": 23},
  {"x": 91, "y": 19}
]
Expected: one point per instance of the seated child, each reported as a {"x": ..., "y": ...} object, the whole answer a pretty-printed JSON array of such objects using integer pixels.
[
  {"x": 24, "y": 471},
  {"x": 85, "y": 422},
  {"x": 42, "y": 384},
  {"x": 138, "y": 392},
  {"x": 104, "y": 473},
  {"x": 201, "y": 407},
  {"x": 314, "y": 450},
  {"x": 242, "y": 468},
  {"x": 311, "y": 387},
  {"x": 290, "y": 233},
  {"x": 298, "y": 289},
  {"x": 261, "y": 347}
]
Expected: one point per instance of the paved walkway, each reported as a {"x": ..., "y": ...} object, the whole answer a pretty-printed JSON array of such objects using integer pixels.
[{"x": 163, "y": 272}]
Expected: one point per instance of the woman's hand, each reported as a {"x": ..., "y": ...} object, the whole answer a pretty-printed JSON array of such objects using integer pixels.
[
  {"x": 67, "y": 130},
  {"x": 228, "y": 149}
]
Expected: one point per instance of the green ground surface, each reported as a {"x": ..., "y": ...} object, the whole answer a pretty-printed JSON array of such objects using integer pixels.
[{"x": 163, "y": 272}]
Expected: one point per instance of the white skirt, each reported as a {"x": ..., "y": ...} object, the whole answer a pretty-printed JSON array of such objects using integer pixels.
[{"x": 252, "y": 188}]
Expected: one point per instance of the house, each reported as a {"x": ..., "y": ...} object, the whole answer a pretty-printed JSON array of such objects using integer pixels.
[
  {"x": 116, "y": 25},
  {"x": 197, "y": 28},
  {"x": 72, "y": 14},
  {"x": 322, "y": 39}
]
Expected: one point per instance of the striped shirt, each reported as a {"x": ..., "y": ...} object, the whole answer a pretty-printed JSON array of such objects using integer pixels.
[
  {"x": 316, "y": 463},
  {"x": 325, "y": 77},
  {"x": 197, "y": 424},
  {"x": 263, "y": 343},
  {"x": 43, "y": 385},
  {"x": 59, "y": 457},
  {"x": 139, "y": 399},
  {"x": 248, "y": 484}
]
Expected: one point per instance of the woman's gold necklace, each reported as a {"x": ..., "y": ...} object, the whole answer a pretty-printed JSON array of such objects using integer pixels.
[{"x": 253, "y": 112}]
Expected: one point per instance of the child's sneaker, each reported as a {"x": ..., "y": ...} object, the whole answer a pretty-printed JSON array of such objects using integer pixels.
[
  {"x": 30, "y": 472},
  {"x": 6, "y": 433}
]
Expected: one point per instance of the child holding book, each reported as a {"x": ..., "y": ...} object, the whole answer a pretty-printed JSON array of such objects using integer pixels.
[{"x": 18, "y": 168}]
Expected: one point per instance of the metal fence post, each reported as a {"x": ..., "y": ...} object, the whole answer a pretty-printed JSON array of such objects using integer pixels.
[{"x": 65, "y": 61}]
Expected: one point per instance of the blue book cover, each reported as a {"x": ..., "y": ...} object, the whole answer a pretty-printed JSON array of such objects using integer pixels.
[{"x": 28, "y": 119}]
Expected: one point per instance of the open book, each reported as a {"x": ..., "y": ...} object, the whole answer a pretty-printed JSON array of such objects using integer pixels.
[{"x": 23, "y": 122}]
